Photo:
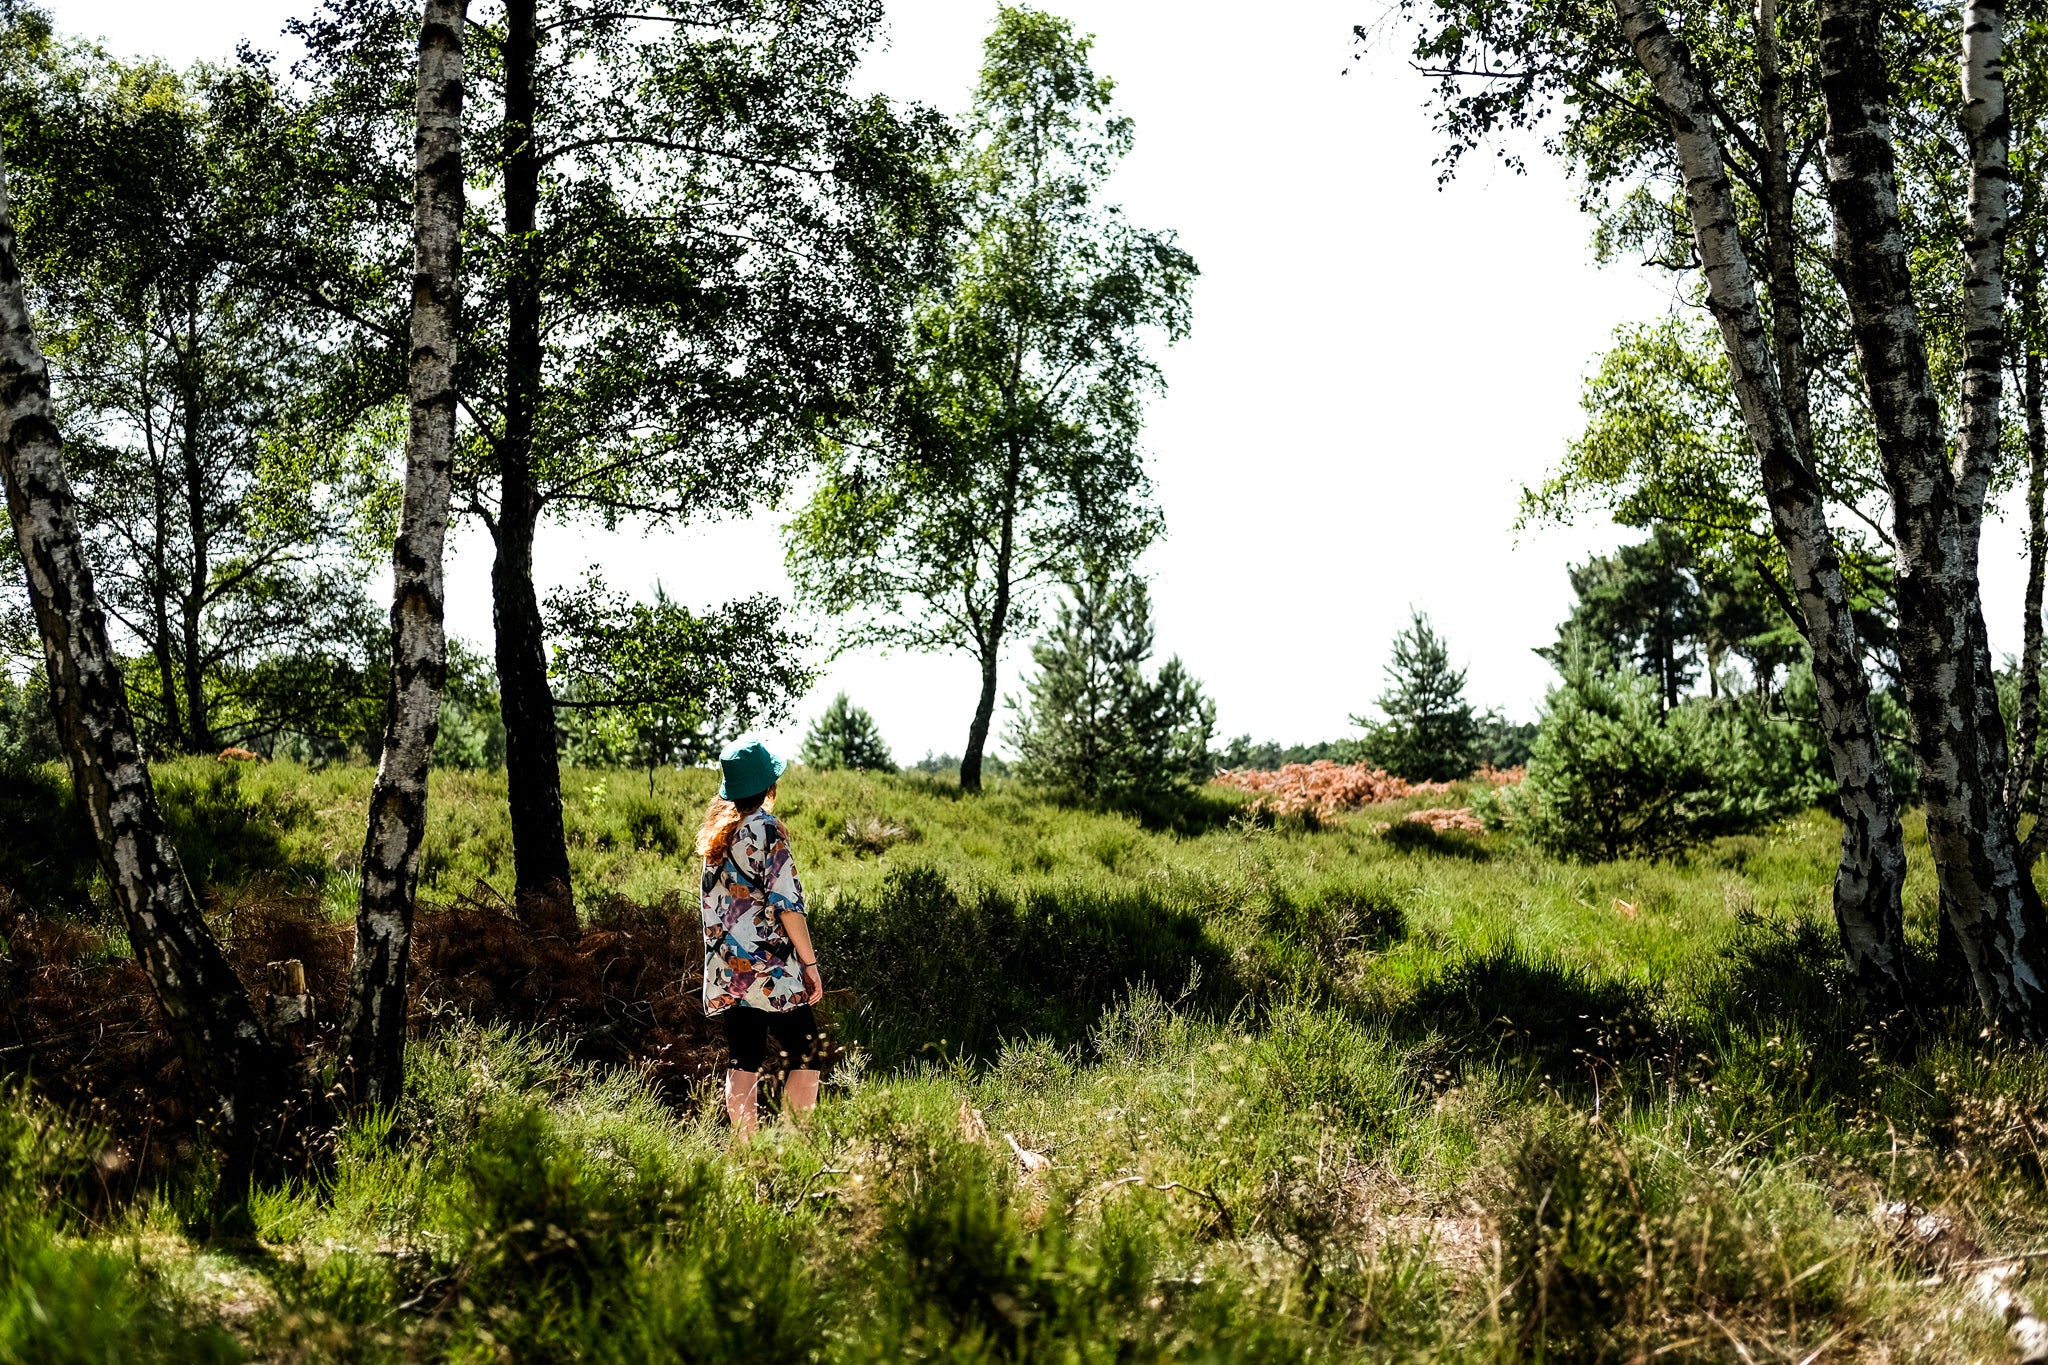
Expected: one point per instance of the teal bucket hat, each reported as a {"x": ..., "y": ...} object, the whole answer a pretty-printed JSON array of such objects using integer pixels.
[{"x": 750, "y": 770}]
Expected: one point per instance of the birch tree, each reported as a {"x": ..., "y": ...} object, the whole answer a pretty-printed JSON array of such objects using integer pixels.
[
  {"x": 241, "y": 1074},
  {"x": 1012, "y": 463},
  {"x": 1647, "y": 110},
  {"x": 373, "y": 1034},
  {"x": 1988, "y": 897},
  {"x": 689, "y": 249}
]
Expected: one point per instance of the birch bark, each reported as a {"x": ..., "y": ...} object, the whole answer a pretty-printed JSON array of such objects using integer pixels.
[
  {"x": 1870, "y": 879},
  {"x": 373, "y": 1033},
  {"x": 1991, "y": 903},
  {"x": 241, "y": 1074}
]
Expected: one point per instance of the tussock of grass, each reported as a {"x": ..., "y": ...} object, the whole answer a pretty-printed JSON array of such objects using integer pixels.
[{"x": 1307, "y": 1093}]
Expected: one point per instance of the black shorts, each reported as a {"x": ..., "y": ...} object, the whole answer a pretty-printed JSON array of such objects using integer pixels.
[{"x": 797, "y": 1045}]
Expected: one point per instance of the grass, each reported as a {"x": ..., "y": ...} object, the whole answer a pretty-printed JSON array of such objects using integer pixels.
[{"x": 1337, "y": 1093}]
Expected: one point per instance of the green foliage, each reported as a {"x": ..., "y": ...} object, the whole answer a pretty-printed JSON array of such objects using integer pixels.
[
  {"x": 49, "y": 858},
  {"x": 1390, "y": 1057},
  {"x": 1642, "y": 606},
  {"x": 472, "y": 733},
  {"x": 845, "y": 736},
  {"x": 28, "y": 731},
  {"x": 1242, "y": 752},
  {"x": 654, "y": 685},
  {"x": 232, "y": 478},
  {"x": 1099, "y": 729},
  {"x": 1613, "y": 774},
  {"x": 1011, "y": 457},
  {"x": 1429, "y": 732},
  {"x": 69, "y": 1302}
]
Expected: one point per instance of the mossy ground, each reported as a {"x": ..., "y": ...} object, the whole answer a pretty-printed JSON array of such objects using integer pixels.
[{"x": 1353, "y": 1093}]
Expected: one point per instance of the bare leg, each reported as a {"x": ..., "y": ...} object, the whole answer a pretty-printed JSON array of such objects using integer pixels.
[
  {"x": 741, "y": 1088},
  {"x": 800, "y": 1091}
]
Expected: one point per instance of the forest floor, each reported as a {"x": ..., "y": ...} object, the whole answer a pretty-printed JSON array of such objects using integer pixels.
[{"x": 1235, "y": 1091}]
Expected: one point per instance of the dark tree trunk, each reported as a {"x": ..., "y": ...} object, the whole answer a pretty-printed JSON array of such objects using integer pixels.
[
  {"x": 540, "y": 849},
  {"x": 244, "y": 1079},
  {"x": 998, "y": 627},
  {"x": 1991, "y": 902},
  {"x": 373, "y": 1034},
  {"x": 1870, "y": 880},
  {"x": 2023, "y": 783}
]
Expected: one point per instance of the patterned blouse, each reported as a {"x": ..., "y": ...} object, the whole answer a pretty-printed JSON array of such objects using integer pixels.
[{"x": 748, "y": 959}]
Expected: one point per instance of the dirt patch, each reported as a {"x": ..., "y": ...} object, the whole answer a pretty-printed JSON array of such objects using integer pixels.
[{"x": 80, "y": 1020}]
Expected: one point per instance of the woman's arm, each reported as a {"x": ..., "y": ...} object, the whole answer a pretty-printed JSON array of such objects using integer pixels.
[{"x": 798, "y": 926}]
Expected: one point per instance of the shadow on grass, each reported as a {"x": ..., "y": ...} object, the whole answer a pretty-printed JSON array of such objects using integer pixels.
[
  {"x": 47, "y": 857},
  {"x": 227, "y": 837},
  {"x": 1505, "y": 1007},
  {"x": 929, "y": 961},
  {"x": 1413, "y": 836}
]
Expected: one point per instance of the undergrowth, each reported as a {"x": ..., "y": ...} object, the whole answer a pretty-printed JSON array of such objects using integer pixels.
[{"x": 1232, "y": 1093}]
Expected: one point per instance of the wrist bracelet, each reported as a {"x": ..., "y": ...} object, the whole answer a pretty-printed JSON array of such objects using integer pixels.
[{"x": 812, "y": 963}]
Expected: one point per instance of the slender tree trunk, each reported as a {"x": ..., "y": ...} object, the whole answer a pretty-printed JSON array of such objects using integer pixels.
[
  {"x": 160, "y": 605},
  {"x": 2023, "y": 784},
  {"x": 373, "y": 1034},
  {"x": 1870, "y": 879},
  {"x": 999, "y": 622},
  {"x": 540, "y": 849},
  {"x": 1990, "y": 901},
  {"x": 1781, "y": 238},
  {"x": 242, "y": 1076},
  {"x": 199, "y": 724}
]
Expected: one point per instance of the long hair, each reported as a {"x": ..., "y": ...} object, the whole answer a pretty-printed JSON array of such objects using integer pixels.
[{"x": 722, "y": 820}]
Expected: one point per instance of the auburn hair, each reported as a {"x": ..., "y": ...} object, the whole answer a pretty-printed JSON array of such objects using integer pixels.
[{"x": 722, "y": 820}]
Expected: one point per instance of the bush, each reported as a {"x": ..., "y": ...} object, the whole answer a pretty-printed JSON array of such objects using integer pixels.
[
  {"x": 1614, "y": 775},
  {"x": 846, "y": 736}
]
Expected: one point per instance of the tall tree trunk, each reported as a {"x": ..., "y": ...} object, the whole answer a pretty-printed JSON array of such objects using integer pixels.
[
  {"x": 373, "y": 1034},
  {"x": 540, "y": 848},
  {"x": 998, "y": 626},
  {"x": 2023, "y": 783},
  {"x": 1991, "y": 902},
  {"x": 1781, "y": 234},
  {"x": 1871, "y": 876},
  {"x": 242, "y": 1076},
  {"x": 198, "y": 719}
]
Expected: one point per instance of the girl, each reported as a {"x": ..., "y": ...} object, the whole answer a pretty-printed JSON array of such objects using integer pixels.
[{"x": 760, "y": 972}]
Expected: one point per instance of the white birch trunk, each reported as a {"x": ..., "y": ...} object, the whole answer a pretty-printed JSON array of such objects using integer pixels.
[
  {"x": 1989, "y": 900},
  {"x": 373, "y": 1035},
  {"x": 244, "y": 1078},
  {"x": 1871, "y": 877}
]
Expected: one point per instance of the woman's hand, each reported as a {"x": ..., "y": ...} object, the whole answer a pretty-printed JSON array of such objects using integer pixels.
[{"x": 815, "y": 981}]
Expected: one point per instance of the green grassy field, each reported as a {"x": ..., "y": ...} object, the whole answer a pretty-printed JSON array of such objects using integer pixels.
[{"x": 1351, "y": 1093}]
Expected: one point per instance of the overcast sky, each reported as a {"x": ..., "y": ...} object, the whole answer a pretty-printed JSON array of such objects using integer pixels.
[{"x": 1377, "y": 367}]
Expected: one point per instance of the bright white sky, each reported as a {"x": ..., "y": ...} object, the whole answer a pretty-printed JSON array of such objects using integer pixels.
[{"x": 1377, "y": 367}]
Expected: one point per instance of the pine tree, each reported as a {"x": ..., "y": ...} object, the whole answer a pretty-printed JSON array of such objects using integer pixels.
[
  {"x": 846, "y": 736},
  {"x": 1430, "y": 733},
  {"x": 1098, "y": 728}
]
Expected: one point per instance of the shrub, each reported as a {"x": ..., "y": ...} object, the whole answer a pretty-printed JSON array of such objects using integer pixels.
[
  {"x": 1614, "y": 775},
  {"x": 846, "y": 736}
]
